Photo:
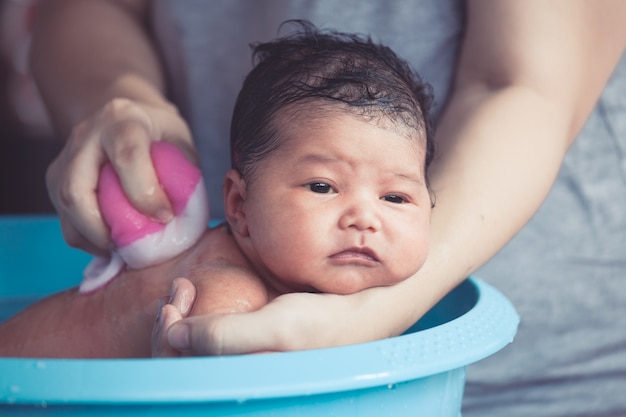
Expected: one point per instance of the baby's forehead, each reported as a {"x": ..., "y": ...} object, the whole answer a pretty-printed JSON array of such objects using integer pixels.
[{"x": 296, "y": 117}]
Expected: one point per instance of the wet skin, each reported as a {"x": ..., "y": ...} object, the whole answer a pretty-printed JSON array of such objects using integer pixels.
[{"x": 117, "y": 320}]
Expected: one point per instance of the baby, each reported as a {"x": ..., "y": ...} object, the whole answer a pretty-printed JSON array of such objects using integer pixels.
[{"x": 330, "y": 143}]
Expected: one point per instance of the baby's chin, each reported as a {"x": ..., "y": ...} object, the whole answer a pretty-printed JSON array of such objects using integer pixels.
[{"x": 355, "y": 281}]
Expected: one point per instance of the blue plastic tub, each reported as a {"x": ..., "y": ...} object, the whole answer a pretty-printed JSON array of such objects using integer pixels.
[{"x": 419, "y": 373}]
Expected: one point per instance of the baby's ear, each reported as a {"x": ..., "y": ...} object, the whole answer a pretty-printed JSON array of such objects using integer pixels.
[{"x": 234, "y": 191}]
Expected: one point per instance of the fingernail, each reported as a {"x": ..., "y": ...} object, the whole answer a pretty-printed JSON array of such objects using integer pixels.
[
  {"x": 184, "y": 302},
  {"x": 163, "y": 215},
  {"x": 178, "y": 337}
]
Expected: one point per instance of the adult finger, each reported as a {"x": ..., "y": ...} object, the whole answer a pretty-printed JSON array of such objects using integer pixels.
[
  {"x": 128, "y": 149},
  {"x": 171, "y": 309},
  {"x": 72, "y": 186},
  {"x": 183, "y": 295},
  {"x": 167, "y": 315},
  {"x": 76, "y": 240}
]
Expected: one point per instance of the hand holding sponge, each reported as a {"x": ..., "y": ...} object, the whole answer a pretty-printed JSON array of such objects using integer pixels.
[{"x": 139, "y": 241}]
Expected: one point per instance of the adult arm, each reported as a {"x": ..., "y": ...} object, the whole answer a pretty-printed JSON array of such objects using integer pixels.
[
  {"x": 528, "y": 76},
  {"x": 102, "y": 82}
]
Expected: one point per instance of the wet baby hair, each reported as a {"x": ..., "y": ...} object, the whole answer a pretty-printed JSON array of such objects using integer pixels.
[{"x": 325, "y": 69}]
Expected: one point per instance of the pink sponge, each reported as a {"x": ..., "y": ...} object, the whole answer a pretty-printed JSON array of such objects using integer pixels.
[{"x": 138, "y": 241}]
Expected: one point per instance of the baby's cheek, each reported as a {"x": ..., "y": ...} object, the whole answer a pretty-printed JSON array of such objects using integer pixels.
[{"x": 409, "y": 261}]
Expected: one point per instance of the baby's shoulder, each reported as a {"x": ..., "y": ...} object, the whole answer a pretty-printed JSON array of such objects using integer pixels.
[
  {"x": 224, "y": 279},
  {"x": 219, "y": 245}
]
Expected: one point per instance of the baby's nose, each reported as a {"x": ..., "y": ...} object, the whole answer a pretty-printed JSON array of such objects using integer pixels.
[{"x": 361, "y": 216}]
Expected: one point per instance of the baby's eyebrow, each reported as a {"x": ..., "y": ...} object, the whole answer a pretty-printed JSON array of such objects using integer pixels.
[
  {"x": 315, "y": 158},
  {"x": 410, "y": 176}
]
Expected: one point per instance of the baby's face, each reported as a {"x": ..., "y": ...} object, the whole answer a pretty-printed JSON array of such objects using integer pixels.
[{"x": 340, "y": 207}]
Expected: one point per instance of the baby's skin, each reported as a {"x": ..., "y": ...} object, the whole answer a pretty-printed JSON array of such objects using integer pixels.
[{"x": 117, "y": 321}]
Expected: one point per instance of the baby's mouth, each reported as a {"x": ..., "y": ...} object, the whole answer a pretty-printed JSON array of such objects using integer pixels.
[{"x": 362, "y": 256}]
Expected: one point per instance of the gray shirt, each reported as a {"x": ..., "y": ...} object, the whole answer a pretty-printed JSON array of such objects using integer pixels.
[{"x": 564, "y": 271}]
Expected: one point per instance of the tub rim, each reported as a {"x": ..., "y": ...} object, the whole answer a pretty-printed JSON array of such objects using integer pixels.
[{"x": 483, "y": 330}]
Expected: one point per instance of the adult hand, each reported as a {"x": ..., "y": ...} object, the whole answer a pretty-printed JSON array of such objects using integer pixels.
[
  {"x": 295, "y": 321},
  {"x": 279, "y": 326},
  {"x": 120, "y": 132},
  {"x": 170, "y": 310}
]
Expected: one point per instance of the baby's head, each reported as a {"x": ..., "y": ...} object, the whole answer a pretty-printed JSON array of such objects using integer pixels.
[
  {"x": 330, "y": 145},
  {"x": 316, "y": 71}
]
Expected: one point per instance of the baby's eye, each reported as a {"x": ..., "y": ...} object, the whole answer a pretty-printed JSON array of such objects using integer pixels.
[
  {"x": 393, "y": 198},
  {"x": 320, "y": 187}
]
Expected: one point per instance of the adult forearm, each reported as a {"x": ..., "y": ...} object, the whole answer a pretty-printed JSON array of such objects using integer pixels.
[
  {"x": 529, "y": 74},
  {"x": 499, "y": 154},
  {"x": 87, "y": 52}
]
